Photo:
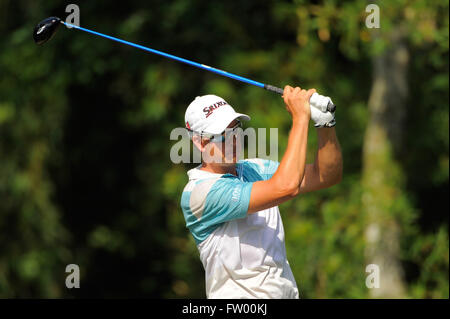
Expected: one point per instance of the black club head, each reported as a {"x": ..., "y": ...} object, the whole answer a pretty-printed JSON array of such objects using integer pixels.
[{"x": 45, "y": 29}]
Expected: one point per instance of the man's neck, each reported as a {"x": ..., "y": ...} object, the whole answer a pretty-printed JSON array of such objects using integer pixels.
[{"x": 219, "y": 169}]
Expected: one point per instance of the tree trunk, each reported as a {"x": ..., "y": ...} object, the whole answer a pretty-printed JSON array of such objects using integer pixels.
[{"x": 382, "y": 177}]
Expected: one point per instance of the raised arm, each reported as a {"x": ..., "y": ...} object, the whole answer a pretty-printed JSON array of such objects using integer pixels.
[
  {"x": 286, "y": 181},
  {"x": 328, "y": 165}
]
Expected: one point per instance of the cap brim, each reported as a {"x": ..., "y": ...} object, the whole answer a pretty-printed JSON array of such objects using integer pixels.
[{"x": 219, "y": 126}]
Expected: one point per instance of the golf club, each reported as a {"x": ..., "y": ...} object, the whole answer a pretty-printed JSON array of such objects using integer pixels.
[{"x": 45, "y": 30}]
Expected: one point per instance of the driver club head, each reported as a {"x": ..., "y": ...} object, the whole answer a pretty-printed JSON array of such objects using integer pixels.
[{"x": 45, "y": 29}]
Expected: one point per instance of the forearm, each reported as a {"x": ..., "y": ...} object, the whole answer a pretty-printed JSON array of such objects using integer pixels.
[
  {"x": 328, "y": 162},
  {"x": 292, "y": 166}
]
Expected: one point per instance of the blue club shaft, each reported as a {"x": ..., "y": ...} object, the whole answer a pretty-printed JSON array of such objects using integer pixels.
[
  {"x": 330, "y": 107},
  {"x": 173, "y": 57}
]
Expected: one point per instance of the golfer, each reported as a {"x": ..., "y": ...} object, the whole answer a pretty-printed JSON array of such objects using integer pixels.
[{"x": 231, "y": 206}]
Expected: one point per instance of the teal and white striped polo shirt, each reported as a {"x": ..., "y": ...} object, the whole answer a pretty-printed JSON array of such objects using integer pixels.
[{"x": 244, "y": 255}]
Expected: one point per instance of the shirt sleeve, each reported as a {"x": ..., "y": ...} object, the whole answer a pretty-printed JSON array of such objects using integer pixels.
[
  {"x": 264, "y": 168},
  {"x": 212, "y": 202},
  {"x": 270, "y": 167}
]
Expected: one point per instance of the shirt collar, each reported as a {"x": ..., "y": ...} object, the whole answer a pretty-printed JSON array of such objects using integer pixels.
[{"x": 197, "y": 173}]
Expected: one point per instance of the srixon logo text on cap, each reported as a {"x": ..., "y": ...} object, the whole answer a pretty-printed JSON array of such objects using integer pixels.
[{"x": 209, "y": 109}]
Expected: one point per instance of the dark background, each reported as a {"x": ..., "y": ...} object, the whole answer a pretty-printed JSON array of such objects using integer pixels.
[{"x": 85, "y": 172}]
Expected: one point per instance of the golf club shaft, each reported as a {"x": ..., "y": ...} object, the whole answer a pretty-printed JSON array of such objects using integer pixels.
[
  {"x": 327, "y": 106},
  {"x": 173, "y": 57}
]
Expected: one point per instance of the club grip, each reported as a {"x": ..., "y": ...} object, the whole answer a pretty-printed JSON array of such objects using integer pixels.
[
  {"x": 330, "y": 107},
  {"x": 273, "y": 89}
]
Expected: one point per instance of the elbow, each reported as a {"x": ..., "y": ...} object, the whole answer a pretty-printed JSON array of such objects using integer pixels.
[
  {"x": 337, "y": 176},
  {"x": 289, "y": 188},
  {"x": 331, "y": 175},
  {"x": 292, "y": 191}
]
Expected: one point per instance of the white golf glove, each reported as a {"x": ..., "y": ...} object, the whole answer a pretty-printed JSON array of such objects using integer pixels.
[
  {"x": 319, "y": 113},
  {"x": 322, "y": 119}
]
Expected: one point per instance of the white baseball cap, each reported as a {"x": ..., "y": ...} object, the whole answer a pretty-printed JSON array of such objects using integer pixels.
[{"x": 210, "y": 114}]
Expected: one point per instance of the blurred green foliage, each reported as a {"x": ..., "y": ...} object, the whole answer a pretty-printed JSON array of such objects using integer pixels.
[{"x": 85, "y": 174}]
